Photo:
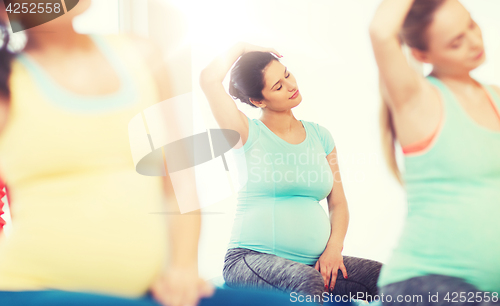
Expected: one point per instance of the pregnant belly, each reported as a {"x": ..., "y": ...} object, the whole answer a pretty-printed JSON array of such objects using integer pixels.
[
  {"x": 302, "y": 229},
  {"x": 99, "y": 256},
  {"x": 84, "y": 241}
]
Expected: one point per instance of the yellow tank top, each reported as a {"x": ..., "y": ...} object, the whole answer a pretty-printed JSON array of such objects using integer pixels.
[{"x": 83, "y": 218}]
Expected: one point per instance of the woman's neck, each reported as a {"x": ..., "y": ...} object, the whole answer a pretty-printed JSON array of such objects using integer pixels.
[
  {"x": 281, "y": 122},
  {"x": 49, "y": 40},
  {"x": 455, "y": 78},
  {"x": 463, "y": 85}
]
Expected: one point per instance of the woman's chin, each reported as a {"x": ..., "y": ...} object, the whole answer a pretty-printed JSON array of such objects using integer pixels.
[
  {"x": 478, "y": 63},
  {"x": 481, "y": 61},
  {"x": 297, "y": 101}
]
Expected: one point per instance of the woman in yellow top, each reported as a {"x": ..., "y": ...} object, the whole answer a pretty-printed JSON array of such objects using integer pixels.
[{"x": 82, "y": 230}]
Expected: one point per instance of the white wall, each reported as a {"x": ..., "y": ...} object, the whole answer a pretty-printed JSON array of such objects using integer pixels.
[{"x": 103, "y": 17}]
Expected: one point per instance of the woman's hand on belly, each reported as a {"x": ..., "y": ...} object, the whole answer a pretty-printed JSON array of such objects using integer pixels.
[
  {"x": 180, "y": 286},
  {"x": 328, "y": 265}
]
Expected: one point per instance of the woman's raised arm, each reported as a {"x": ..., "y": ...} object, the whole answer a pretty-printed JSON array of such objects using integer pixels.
[{"x": 400, "y": 83}]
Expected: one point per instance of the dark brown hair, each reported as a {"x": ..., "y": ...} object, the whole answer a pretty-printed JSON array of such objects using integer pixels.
[
  {"x": 417, "y": 22},
  {"x": 247, "y": 76},
  {"x": 6, "y": 57}
]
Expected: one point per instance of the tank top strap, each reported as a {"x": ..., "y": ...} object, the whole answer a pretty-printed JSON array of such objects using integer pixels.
[
  {"x": 443, "y": 89},
  {"x": 62, "y": 97},
  {"x": 494, "y": 95},
  {"x": 450, "y": 103}
]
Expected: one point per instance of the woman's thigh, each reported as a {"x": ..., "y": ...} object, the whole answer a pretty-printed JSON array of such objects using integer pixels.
[
  {"x": 244, "y": 268},
  {"x": 434, "y": 290}
]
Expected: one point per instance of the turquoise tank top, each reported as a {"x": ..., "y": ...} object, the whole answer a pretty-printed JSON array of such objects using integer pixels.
[
  {"x": 278, "y": 209},
  {"x": 453, "y": 193}
]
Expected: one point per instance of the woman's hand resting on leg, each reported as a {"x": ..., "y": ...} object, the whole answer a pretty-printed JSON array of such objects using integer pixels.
[{"x": 328, "y": 265}]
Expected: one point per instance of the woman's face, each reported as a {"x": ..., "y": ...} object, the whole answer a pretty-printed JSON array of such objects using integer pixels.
[
  {"x": 280, "y": 91},
  {"x": 455, "y": 41}
]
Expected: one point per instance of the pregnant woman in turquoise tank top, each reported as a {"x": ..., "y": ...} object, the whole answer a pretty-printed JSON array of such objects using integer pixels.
[
  {"x": 282, "y": 239},
  {"x": 448, "y": 125}
]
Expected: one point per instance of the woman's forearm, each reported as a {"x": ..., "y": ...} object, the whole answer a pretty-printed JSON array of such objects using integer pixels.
[
  {"x": 389, "y": 18},
  {"x": 183, "y": 229},
  {"x": 339, "y": 218},
  {"x": 216, "y": 71},
  {"x": 184, "y": 236}
]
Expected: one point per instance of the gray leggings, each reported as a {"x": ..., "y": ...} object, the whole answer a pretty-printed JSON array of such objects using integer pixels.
[
  {"x": 436, "y": 290},
  {"x": 244, "y": 268}
]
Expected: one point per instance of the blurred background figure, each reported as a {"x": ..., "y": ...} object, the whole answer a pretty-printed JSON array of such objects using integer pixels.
[{"x": 448, "y": 125}]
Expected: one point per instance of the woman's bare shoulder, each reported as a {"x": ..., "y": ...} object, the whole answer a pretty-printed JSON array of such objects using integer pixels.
[{"x": 143, "y": 47}]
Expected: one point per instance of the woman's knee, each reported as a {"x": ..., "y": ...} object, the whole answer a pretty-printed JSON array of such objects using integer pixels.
[
  {"x": 230, "y": 273},
  {"x": 232, "y": 260},
  {"x": 361, "y": 269},
  {"x": 309, "y": 281}
]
